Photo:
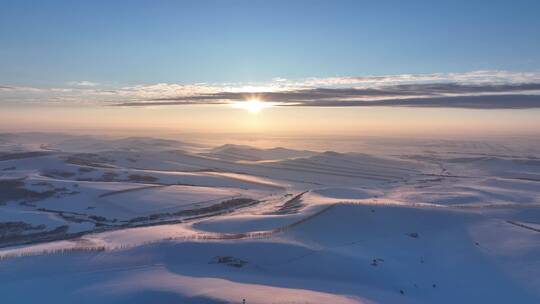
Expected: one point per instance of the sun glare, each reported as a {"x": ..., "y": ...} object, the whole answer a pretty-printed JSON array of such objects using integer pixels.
[{"x": 252, "y": 105}]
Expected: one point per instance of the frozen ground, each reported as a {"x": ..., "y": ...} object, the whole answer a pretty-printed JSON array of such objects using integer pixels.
[{"x": 144, "y": 220}]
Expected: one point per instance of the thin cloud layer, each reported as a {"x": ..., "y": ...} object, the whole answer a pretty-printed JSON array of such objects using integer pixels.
[
  {"x": 477, "y": 89},
  {"x": 463, "y": 102},
  {"x": 83, "y": 83},
  {"x": 478, "y": 96}
]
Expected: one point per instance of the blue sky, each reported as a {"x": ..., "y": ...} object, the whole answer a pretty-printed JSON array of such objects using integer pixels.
[{"x": 51, "y": 43}]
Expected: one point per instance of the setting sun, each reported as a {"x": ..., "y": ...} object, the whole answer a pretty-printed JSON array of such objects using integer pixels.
[{"x": 252, "y": 105}]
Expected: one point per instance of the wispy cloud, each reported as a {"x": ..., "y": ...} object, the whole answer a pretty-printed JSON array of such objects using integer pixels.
[
  {"x": 507, "y": 101},
  {"x": 477, "y": 89},
  {"x": 83, "y": 83},
  {"x": 508, "y": 96},
  {"x": 485, "y": 76}
]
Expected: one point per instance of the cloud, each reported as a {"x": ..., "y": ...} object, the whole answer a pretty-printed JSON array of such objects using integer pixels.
[
  {"x": 83, "y": 83},
  {"x": 478, "y": 77},
  {"x": 440, "y": 94},
  {"x": 6, "y": 88},
  {"x": 437, "y": 89},
  {"x": 464, "y": 102}
]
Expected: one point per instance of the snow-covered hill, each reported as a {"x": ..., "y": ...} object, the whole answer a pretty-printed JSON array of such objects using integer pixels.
[{"x": 139, "y": 220}]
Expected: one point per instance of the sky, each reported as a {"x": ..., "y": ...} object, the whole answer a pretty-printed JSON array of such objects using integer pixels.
[{"x": 307, "y": 67}]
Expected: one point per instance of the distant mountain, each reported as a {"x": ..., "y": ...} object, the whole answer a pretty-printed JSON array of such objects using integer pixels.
[
  {"x": 246, "y": 153},
  {"x": 91, "y": 144}
]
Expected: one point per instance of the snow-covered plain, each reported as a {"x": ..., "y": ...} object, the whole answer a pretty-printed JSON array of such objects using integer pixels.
[{"x": 145, "y": 220}]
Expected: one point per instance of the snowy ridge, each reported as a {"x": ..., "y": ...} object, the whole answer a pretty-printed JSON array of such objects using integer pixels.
[{"x": 111, "y": 217}]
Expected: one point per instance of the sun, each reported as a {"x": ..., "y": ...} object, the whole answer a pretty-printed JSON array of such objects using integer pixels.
[{"x": 252, "y": 105}]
